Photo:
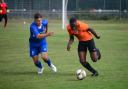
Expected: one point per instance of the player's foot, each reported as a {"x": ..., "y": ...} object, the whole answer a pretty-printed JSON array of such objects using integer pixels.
[
  {"x": 53, "y": 68},
  {"x": 40, "y": 70},
  {"x": 95, "y": 74}
]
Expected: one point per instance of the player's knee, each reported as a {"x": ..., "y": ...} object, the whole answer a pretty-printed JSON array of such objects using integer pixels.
[
  {"x": 35, "y": 61},
  {"x": 45, "y": 58},
  {"x": 82, "y": 61}
]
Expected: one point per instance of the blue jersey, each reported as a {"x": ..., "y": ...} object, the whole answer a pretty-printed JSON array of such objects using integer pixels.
[{"x": 35, "y": 31}]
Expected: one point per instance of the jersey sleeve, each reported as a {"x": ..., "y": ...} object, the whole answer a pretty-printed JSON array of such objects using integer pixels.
[
  {"x": 34, "y": 30},
  {"x": 45, "y": 22}
]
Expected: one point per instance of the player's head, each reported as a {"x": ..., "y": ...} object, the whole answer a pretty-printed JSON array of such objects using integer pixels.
[
  {"x": 73, "y": 23},
  {"x": 38, "y": 19}
]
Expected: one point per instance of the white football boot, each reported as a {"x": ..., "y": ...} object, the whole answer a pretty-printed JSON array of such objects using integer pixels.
[
  {"x": 40, "y": 71},
  {"x": 53, "y": 68}
]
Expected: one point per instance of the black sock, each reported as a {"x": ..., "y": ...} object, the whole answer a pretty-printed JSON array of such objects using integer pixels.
[
  {"x": 38, "y": 64},
  {"x": 88, "y": 67}
]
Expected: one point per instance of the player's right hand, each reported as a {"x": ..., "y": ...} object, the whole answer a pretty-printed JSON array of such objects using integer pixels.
[{"x": 50, "y": 33}]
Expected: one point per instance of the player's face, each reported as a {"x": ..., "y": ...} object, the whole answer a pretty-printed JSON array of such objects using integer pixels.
[
  {"x": 38, "y": 21},
  {"x": 74, "y": 26}
]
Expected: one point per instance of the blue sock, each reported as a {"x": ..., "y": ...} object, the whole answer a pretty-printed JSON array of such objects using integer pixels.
[
  {"x": 38, "y": 64},
  {"x": 48, "y": 62}
]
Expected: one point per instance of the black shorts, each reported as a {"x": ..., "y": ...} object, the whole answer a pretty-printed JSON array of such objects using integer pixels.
[
  {"x": 84, "y": 45},
  {"x": 3, "y": 16}
]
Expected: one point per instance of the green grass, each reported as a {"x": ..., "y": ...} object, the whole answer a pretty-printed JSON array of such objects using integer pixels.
[{"x": 17, "y": 70}]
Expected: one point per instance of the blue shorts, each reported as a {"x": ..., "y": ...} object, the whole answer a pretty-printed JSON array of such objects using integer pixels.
[{"x": 35, "y": 50}]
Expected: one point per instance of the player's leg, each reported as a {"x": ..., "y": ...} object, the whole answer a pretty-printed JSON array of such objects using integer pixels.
[
  {"x": 34, "y": 54},
  {"x": 6, "y": 20},
  {"x": 82, "y": 52},
  {"x": 38, "y": 64},
  {"x": 1, "y": 17},
  {"x": 94, "y": 52},
  {"x": 44, "y": 56},
  {"x": 98, "y": 53}
]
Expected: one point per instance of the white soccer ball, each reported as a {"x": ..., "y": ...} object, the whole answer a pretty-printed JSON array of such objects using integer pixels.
[
  {"x": 24, "y": 22},
  {"x": 81, "y": 74}
]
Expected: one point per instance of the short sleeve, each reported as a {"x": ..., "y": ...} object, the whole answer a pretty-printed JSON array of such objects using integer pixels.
[
  {"x": 45, "y": 22},
  {"x": 34, "y": 30}
]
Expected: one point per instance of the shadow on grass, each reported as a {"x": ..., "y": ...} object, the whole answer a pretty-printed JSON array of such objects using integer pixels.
[
  {"x": 12, "y": 73},
  {"x": 65, "y": 76}
]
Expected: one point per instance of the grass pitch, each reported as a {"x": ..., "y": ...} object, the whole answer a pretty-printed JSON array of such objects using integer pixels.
[{"x": 17, "y": 70}]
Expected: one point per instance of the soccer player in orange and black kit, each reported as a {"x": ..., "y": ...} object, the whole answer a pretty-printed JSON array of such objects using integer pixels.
[
  {"x": 3, "y": 12},
  {"x": 84, "y": 34}
]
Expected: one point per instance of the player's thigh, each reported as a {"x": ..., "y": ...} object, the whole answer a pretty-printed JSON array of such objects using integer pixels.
[
  {"x": 5, "y": 17},
  {"x": 92, "y": 50},
  {"x": 44, "y": 55},
  {"x": 91, "y": 46},
  {"x": 35, "y": 58},
  {"x": 33, "y": 51},
  {"x": 44, "y": 51},
  {"x": 43, "y": 48},
  {"x": 82, "y": 46},
  {"x": 82, "y": 51}
]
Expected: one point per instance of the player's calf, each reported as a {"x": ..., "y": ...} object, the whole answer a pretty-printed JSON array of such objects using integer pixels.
[
  {"x": 94, "y": 56},
  {"x": 50, "y": 64},
  {"x": 90, "y": 68},
  {"x": 98, "y": 53}
]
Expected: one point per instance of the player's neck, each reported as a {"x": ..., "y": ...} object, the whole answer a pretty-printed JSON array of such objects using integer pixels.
[{"x": 40, "y": 26}]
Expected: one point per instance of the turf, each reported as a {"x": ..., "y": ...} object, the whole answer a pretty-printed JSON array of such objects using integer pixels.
[{"x": 17, "y": 70}]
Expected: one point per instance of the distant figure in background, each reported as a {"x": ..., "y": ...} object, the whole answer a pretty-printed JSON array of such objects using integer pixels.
[
  {"x": 86, "y": 42},
  {"x": 3, "y": 12},
  {"x": 37, "y": 42}
]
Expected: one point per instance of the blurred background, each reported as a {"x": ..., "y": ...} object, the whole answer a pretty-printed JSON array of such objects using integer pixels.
[{"x": 82, "y": 9}]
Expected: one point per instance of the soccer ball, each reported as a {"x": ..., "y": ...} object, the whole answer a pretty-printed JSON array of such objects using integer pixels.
[
  {"x": 24, "y": 22},
  {"x": 81, "y": 74}
]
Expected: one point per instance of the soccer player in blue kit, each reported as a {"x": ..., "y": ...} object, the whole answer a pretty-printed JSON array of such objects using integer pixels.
[{"x": 38, "y": 44}]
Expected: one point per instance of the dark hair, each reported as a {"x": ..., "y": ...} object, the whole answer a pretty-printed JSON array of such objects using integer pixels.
[
  {"x": 72, "y": 20},
  {"x": 37, "y": 15}
]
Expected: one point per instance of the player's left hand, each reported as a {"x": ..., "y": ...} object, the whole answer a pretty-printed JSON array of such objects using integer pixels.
[
  {"x": 68, "y": 47},
  {"x": 98, "y": 37}
]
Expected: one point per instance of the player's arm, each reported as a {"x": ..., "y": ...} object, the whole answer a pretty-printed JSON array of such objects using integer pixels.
[
  {"x": 94, "y": 33},
  {"x": 45, "y": 35},
  {"x": 45, "y": 24},
  {"x": 40, "y": 35},
  {"x": 46, "y": 28},
  {"x": 70, "y": 42}
]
